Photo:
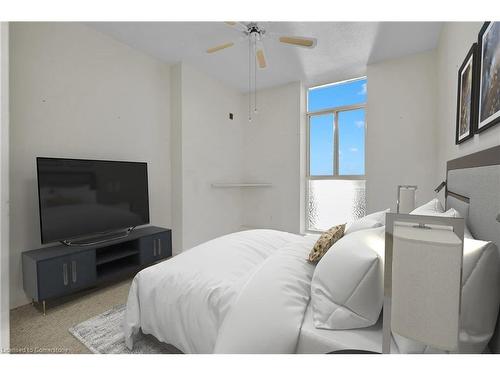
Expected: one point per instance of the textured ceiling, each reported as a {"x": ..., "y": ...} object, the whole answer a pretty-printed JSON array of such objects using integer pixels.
[{"x": 343, "y": 50}]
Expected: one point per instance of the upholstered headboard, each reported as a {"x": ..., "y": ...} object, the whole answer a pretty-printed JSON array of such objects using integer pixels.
[{"x": 473, "y": 189}]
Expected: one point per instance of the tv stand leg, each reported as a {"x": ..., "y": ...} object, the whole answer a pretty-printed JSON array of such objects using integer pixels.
[
  {"x": 43, "y": 307},
  {"x": 32, "y": 302}
]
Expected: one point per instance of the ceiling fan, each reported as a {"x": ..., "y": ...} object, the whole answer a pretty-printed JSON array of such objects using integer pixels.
[{"x": 254, "y": 34}]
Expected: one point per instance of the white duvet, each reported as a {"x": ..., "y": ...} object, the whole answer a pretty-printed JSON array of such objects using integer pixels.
[{"x": 246, "y": 292}]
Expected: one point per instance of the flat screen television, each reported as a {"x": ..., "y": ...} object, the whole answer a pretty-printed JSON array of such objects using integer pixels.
[{"x": 82, "y": 198}]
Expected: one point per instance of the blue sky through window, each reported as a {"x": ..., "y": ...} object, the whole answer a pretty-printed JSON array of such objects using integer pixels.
[
  {"x": 321, "y": 146},
  {"x": 337, "y": 95},
  {"x": 352, "y": 142},
  {"x": 351, "y": 129}
]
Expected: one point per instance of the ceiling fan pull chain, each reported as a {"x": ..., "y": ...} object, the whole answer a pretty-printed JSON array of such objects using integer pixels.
[
  {"x": 249, "y": 80},
  {"x": 255, "y": 72}
]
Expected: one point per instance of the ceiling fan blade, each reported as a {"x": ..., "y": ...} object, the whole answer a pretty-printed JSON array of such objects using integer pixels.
[
  {"x": 237, "y": 25},
  {"x": 299, "y": 41},
  {"x": 261, "y": 59},
  {"x": 220, "y": 47},
  {"x": 260, "y": 55}
]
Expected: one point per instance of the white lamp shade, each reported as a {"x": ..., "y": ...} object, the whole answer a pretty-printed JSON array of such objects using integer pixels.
[
  {"x": 406, "y": 199},
  {"x": 426, "y": 285}
]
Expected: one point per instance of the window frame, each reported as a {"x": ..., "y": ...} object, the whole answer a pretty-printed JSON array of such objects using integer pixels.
[{"x": 335, "y": 176}]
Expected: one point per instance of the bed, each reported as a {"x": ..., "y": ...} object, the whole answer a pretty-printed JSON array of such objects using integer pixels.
[
  {"x": 198, "y": 300},
  {"x": 250, "y": 292},
  {"x": 313, "y": 340}
]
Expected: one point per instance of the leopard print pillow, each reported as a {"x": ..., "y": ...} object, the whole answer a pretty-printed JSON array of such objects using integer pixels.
[{"x": 326, "y": 240}]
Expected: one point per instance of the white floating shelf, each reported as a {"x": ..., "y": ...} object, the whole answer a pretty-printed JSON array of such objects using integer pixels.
[{"x": 239, "y": 185}]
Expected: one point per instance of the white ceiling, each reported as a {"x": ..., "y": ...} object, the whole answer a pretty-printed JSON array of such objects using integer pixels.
[{"x": 343, "y": 50}]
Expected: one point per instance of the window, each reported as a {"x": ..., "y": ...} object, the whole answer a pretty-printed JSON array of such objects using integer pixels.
[{"x": 336, "y": 154}]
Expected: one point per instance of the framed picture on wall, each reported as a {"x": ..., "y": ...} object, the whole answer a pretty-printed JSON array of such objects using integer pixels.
[
  {"x": 489, "y": 76},
  {"x": 466, "y": 107}
]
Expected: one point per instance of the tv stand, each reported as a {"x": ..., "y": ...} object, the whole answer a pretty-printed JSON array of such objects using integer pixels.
[
  {"x": 61, "y": 270},
  {"x": 98, "y": 240}
]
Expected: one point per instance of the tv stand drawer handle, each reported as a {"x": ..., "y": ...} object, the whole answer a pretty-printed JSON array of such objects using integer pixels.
[
  {"x": 65, "y": 274},
  {"x": 159, "y": 246},
  {"x": 73, "y": 271}
]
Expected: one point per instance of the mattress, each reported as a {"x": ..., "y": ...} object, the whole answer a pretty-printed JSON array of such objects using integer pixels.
[{"x": 316, "y": 341}]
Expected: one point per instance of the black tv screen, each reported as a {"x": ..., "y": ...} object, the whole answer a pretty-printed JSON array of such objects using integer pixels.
[{"x": 81, "y": 198}]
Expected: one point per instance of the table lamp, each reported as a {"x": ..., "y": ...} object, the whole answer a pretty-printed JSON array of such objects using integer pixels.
[
  {"x": 406, "y": 198},
  {"x": 422, "y": 280}
]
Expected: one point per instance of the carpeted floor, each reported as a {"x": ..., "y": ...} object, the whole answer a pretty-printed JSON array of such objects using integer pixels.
[{"x": 31, "y": 332}]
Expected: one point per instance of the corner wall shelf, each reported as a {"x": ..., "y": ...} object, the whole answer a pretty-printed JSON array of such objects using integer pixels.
[{"x": 239, "y": 185}]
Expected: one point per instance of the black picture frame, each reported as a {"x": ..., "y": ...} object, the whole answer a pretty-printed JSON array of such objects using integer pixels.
[
  {"x": 468, "y": 67},
  {"x": 484, "y": 57}
]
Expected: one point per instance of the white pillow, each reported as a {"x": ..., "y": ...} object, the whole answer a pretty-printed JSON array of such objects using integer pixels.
[
  {"x": 361, "y": 224},
  {"x": 480, "y": 300},
  {"x": 347, "y": 285},
  {"x": 377, "y": 219},
  {"x": 450, "y": 213},
  {"x": 467, "y": 233},
  {"x": 454, "y": 213},
  {"x": 430, "y": 208},
  {"x": 378, "y": 216}
]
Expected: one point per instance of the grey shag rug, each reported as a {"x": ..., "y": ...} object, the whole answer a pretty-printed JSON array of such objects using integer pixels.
[{"x": 103, "y": 334}]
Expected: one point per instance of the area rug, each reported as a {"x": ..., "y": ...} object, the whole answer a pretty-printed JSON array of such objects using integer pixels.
[{"x": 103, "y": 334}]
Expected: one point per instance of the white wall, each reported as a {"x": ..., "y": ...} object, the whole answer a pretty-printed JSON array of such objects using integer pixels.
[
  {"x": 272, "y": 145},
  {"x": 210, "y": 152},
  {"x": 4, "y": 186},
  {"x": 77, "y": 93},
  {"x": 401, "y": 145},
  {"x": 455, "y": 41},
  {"x": 176, "y": 156},
  {"x": 411, "y": 118},
  {"x": 209, "y": 147}
]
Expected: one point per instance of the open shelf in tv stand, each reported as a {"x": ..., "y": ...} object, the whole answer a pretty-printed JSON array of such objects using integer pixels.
[{"x": 56, "y": 271}]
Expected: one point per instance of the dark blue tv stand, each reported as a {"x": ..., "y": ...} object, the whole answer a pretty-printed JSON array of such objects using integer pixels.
[{"x": 61, "y": 270}]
